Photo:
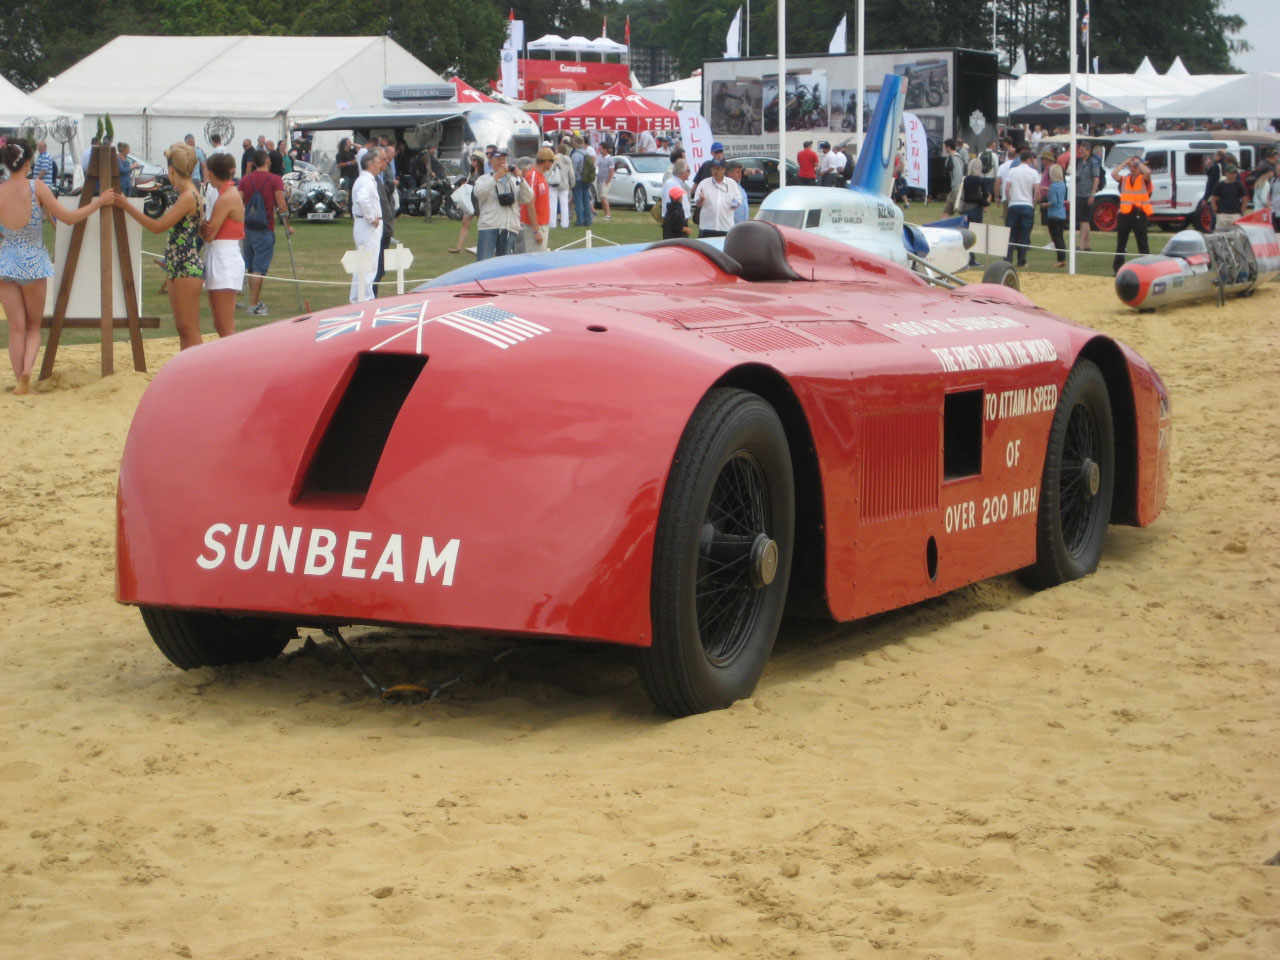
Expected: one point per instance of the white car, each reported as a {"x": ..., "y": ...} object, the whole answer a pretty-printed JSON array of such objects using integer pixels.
[
  {"x": 1179, "y": 175},
  {"x": 637, "y": 179}
]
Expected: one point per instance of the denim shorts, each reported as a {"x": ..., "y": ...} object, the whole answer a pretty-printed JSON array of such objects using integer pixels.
[{"x": 259, "y": 247}]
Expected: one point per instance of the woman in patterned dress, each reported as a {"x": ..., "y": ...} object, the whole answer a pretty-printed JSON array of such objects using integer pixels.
[
  {"x": 182, "y": 261},
  {"x": 25, "y": 267}
]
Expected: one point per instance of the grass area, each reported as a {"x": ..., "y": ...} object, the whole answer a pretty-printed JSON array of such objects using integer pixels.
[{"x": 318, "y": 249}]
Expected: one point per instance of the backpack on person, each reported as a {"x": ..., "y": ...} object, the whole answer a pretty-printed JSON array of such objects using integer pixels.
[
  {"x": 255, "y": 213},
  {"x": 988, "y": 162},
  {"x": 588, "y": 167}
]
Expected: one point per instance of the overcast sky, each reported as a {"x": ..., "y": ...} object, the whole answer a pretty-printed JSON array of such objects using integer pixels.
[{"x": 1260, "y": 18}]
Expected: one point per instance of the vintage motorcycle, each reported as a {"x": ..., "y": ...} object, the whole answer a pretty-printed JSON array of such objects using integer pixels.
[
  {"x": 312, "y": 195},
  {"x": 157, "y": 193}
]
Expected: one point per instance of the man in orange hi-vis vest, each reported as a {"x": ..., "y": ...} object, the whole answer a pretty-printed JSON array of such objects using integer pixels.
[{"x": 1134, "y": 178}]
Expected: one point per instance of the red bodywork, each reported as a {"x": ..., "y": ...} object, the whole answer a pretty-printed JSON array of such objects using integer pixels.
[{"x": 537, "y": 467}]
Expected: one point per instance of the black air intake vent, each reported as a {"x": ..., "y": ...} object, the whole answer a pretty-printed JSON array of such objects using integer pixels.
[{"x": 347, "y": 456}]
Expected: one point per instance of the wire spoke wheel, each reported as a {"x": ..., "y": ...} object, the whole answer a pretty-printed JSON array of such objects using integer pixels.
[
  {"x": 736, "y": 558},
  {"x": 1078, "y": 482},
  {"x": 722, "y": 556}
]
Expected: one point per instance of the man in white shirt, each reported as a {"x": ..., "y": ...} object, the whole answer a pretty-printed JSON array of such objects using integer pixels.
[
  {"x": 828, "y": 165},
  {"x": 646, "y": 143},
  {"x": 717, "y": 197},
  {"x": 1022, "y": 183},
  {"x": 366, "y": 208}
]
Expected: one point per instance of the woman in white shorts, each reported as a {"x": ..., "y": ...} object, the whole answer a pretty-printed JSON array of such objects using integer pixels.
[{"x": 222, "y": 233}]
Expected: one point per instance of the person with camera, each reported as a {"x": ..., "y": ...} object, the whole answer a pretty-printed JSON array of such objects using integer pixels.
[
  {"x": 498, "y": 198},
  {"x": 1134, "y": 178}
]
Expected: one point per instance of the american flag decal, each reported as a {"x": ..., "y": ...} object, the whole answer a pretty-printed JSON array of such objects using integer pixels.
[{"x": 502, "y": 328}]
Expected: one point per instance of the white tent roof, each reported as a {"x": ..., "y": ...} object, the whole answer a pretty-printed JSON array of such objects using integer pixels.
[
  {"x": 1254, "y": 96},
  {"x": 551, "y": 41},
  {"x": 1146, "y": 69},
  {"x": 234, "y": 76},
  {"x": 605, "y": 45},
  {"x": 1177, "y": 69},
  {"x": 687, "y": 90},
  {"x": 1137, "y": 94},
  {"x": 16, "y": 106}
]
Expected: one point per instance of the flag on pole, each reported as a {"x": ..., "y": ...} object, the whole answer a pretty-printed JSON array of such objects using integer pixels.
[
  {"x": 840, "y": 39},
  {"x": 1020, "y": 65},
  {"x": 1084, "y": 27},
  {"x": 626, "y": 32},
  {"x": 604, "y": 27},
  {"x": 733, "y": 40},
  {"x": 509, "y": 73}
]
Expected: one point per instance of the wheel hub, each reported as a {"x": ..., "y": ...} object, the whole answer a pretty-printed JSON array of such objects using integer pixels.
[
  {"x": 764, "y": 561},
  {"x": 1092, "y": 477}
]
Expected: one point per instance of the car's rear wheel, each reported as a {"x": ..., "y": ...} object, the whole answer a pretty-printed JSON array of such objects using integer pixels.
[
  {"x": 1106, "y": 215},
  {"x": 1077, "y": 484},
  {"x": 191, "y": 639},
  {"x": 722, "y": 556},
  {"x": 642, "y": 199}
]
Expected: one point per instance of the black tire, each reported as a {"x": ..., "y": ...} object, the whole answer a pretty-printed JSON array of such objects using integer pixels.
[
  {"x": 1077, "y": 484},
  {"x": 1002, "y": 273},
  {"x": 722, "y": 556},
  {"x": 193, "y": 640},
  {"x": 451, "y": 209},
  {"x": 153, "y": 207},
  {"x": 641, "y": 198}
]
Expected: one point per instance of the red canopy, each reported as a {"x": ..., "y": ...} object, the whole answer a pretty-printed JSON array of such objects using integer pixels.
[
  {"x": 618, "y": 108},
  {"x": 466, "y": 93}
]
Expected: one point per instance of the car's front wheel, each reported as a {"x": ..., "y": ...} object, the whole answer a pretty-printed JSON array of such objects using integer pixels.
[
  {"x": 641, "y": 199},
  {"x": 1077, "y": 484},
  {"x": 191, "y": 639},
  {"x": 722, "y": 556}
]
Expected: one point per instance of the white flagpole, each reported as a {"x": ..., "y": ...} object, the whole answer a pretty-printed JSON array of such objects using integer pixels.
[
  {"x": 1075, "y": 161},
  {"x": 1088, "y": 39},
  {"x": 782, "y": 93},
  {"x": 862, "y": 79},
  {"x": 748, "y": 26}
]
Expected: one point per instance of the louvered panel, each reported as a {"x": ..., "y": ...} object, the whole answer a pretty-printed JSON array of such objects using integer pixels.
[
  {"x": 694, "y": 314},
  {"x": 899, "y": 463},
  {"x": 845, "y": 334},
  {"x": 763, "y": 339}
]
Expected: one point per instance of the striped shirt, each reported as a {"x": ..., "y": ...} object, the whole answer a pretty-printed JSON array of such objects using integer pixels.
[{"x": 43, "y": 168}]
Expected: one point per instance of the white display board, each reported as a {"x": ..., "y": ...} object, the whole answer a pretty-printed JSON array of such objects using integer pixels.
[{"x": 86, "y": 291}]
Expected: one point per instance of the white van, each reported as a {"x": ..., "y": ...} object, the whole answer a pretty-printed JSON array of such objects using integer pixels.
[{"x": 1179, "y": 174}]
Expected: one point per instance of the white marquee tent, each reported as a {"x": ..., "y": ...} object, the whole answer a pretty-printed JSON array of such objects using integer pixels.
[
  {"x": 1254, "y": 96},
  {"x": 16, "y": 106},
  {"x": 158, "y": 89}
]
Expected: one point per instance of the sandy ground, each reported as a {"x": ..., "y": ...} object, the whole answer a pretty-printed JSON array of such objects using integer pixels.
[{"x": 1086, "y": 772}]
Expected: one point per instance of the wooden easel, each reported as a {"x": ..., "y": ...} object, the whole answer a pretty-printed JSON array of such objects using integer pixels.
[{"x": 103, "y": 169}]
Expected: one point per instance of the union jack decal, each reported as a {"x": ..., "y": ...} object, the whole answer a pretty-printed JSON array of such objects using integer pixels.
[{"x": 331, "y": 327}]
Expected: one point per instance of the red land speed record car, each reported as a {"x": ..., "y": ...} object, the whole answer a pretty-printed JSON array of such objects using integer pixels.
[{"x": 665, "y": 450}]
